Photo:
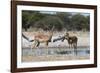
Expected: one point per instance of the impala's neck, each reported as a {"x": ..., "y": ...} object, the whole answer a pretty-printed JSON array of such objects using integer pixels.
[{"x": 50, "y": 36}]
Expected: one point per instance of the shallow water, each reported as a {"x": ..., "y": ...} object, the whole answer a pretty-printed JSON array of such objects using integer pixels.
[{"x": 55, "y": 51}]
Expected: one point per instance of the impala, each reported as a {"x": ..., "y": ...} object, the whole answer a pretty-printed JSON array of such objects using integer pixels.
[
  {"x": 43, "y": 38},
  {"x": 72, "y": 41}
]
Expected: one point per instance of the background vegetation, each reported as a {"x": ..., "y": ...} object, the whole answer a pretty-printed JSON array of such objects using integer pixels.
[{"x": 60, "y": 20}]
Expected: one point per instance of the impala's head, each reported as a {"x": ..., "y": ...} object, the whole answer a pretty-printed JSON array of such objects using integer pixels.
[{"x": 67, "y": 35}]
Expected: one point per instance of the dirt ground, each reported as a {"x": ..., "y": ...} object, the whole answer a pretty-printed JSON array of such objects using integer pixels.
[{"x": 52, "y": 58}]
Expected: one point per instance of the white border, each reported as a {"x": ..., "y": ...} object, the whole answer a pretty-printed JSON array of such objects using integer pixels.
[{"x": 54, "y": 63}]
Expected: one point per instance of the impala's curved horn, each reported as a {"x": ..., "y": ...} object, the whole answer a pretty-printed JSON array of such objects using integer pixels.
[{"x": 52, "y": 28}]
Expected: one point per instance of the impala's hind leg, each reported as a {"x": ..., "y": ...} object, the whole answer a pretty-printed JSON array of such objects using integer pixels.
[
  {"x": 75, "y": 48},
  {"x": 36, "y": 43}
]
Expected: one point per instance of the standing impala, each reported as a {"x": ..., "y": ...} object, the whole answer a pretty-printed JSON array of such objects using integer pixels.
[
  {"x": 44, "y": 37},
  {"x": 72, "y": 40}
]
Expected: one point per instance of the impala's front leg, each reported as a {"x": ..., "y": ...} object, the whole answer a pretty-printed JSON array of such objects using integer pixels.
[
  {"x": 47, "y": 44},
  {"x": 71, "y": 45}
]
